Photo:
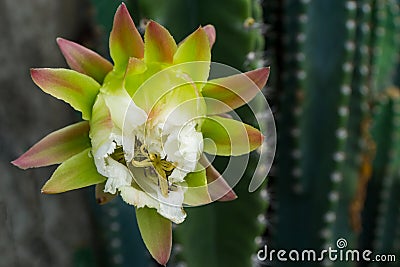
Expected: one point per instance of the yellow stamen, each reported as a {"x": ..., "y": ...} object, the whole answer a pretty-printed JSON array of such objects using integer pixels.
[
  {"x": 162, "y": 167},
  {"x": 118, "y": 155}
]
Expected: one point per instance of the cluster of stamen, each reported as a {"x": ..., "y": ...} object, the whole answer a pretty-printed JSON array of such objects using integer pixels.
[
  {"x": 163, "y": 167},
  {"x": 118, "y": 155}
]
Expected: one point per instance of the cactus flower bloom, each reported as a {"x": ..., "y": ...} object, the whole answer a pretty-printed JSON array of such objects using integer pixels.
[{"x": 144, "y": 121}]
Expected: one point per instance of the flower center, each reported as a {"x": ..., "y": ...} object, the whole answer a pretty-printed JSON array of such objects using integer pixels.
[
  {"x": 118, "y": 155},
  {"x": 163, "y": 167}
]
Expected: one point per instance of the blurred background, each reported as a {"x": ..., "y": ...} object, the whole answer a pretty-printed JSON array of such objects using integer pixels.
[{"x": 334, "y": 92}]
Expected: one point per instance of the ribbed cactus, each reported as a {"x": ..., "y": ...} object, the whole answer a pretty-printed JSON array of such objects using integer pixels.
[
  {"x": 314, "y": 119},
  {"x": 381, "y": 216},
  {"x": 335, "y": 58}
]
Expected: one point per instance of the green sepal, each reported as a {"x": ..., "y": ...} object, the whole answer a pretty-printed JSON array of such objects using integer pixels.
[
  {"x": 77, "y": 172},
  {"x": 196, "y": 193},
  {"x": 156, "y": 232},
  {"x": 56, "y": 147},
  {"x": 73, "y": 87},
  {"x": 229, "y": 137}
]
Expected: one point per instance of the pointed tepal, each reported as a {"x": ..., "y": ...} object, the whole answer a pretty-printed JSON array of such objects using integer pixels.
[
  {"x": 218, "y": 187},
  {"x": 73, "y": 87},
  {"x": 228, "y": 93},
  {"x": 76, "y": 172},
  {"x": 56, "y": 147},
  {"x": 196, "y": 193},
  {"x": 230, "y": 137},
  {"x": 160, "y": 46},
  {"x": 84, "y": 60},
  {"x": 125, "y": 40},
  {"x": 211, "y": 34},
  {"x": 156, "y": 233},
  {"x": 194, "y": 53}
]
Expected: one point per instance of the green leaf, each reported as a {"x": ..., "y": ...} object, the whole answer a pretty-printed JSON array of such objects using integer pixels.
[
  {"x": 77, "y": 172},
  {"x": 195, "y": 48},
  {"x": 160, "y": 46},
  {"x": 84, "y": 60},
  {"x": 56, "y": 147},
  {"x": 229, "y": 137},
  {"x": 156, "y": 233},
  {"x": 70, "y": 86},
  {"x": 233, "y": 91},
  {"x": 125, "y": 40},
  {"x": 234, "y": 40},
  {"x": 196, "y": 193}
]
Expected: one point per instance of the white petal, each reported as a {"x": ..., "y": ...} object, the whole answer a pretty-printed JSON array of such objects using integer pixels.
[
  {"x": 171, "y": 207},
  {"x": 128, "y": 145},
  {"x": 171, "y": 147},
  {"x": 107, "y": 148},
  {"x": 101, "y": 165},
  {"x": 124, "y": 112},
  {"x": 133, "y": 121},
  {"x": 118, "y": 175},
  {"x": 153, "y": 140},
  {"x": 184, "y": 148},
  {"x": 116, "y": 136},
  {"x": 177, "y": 175},
  {"x": 146, "y": 192},
  {"x": 138, "y": 198}
]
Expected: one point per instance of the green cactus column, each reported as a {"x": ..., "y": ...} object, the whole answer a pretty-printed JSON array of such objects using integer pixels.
[
  {"x": 381, "y": 214},
  {"x": 320, "y": 83},
  {"x": 335, "y": 58},
  {"x": 322, "y": 88}
]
